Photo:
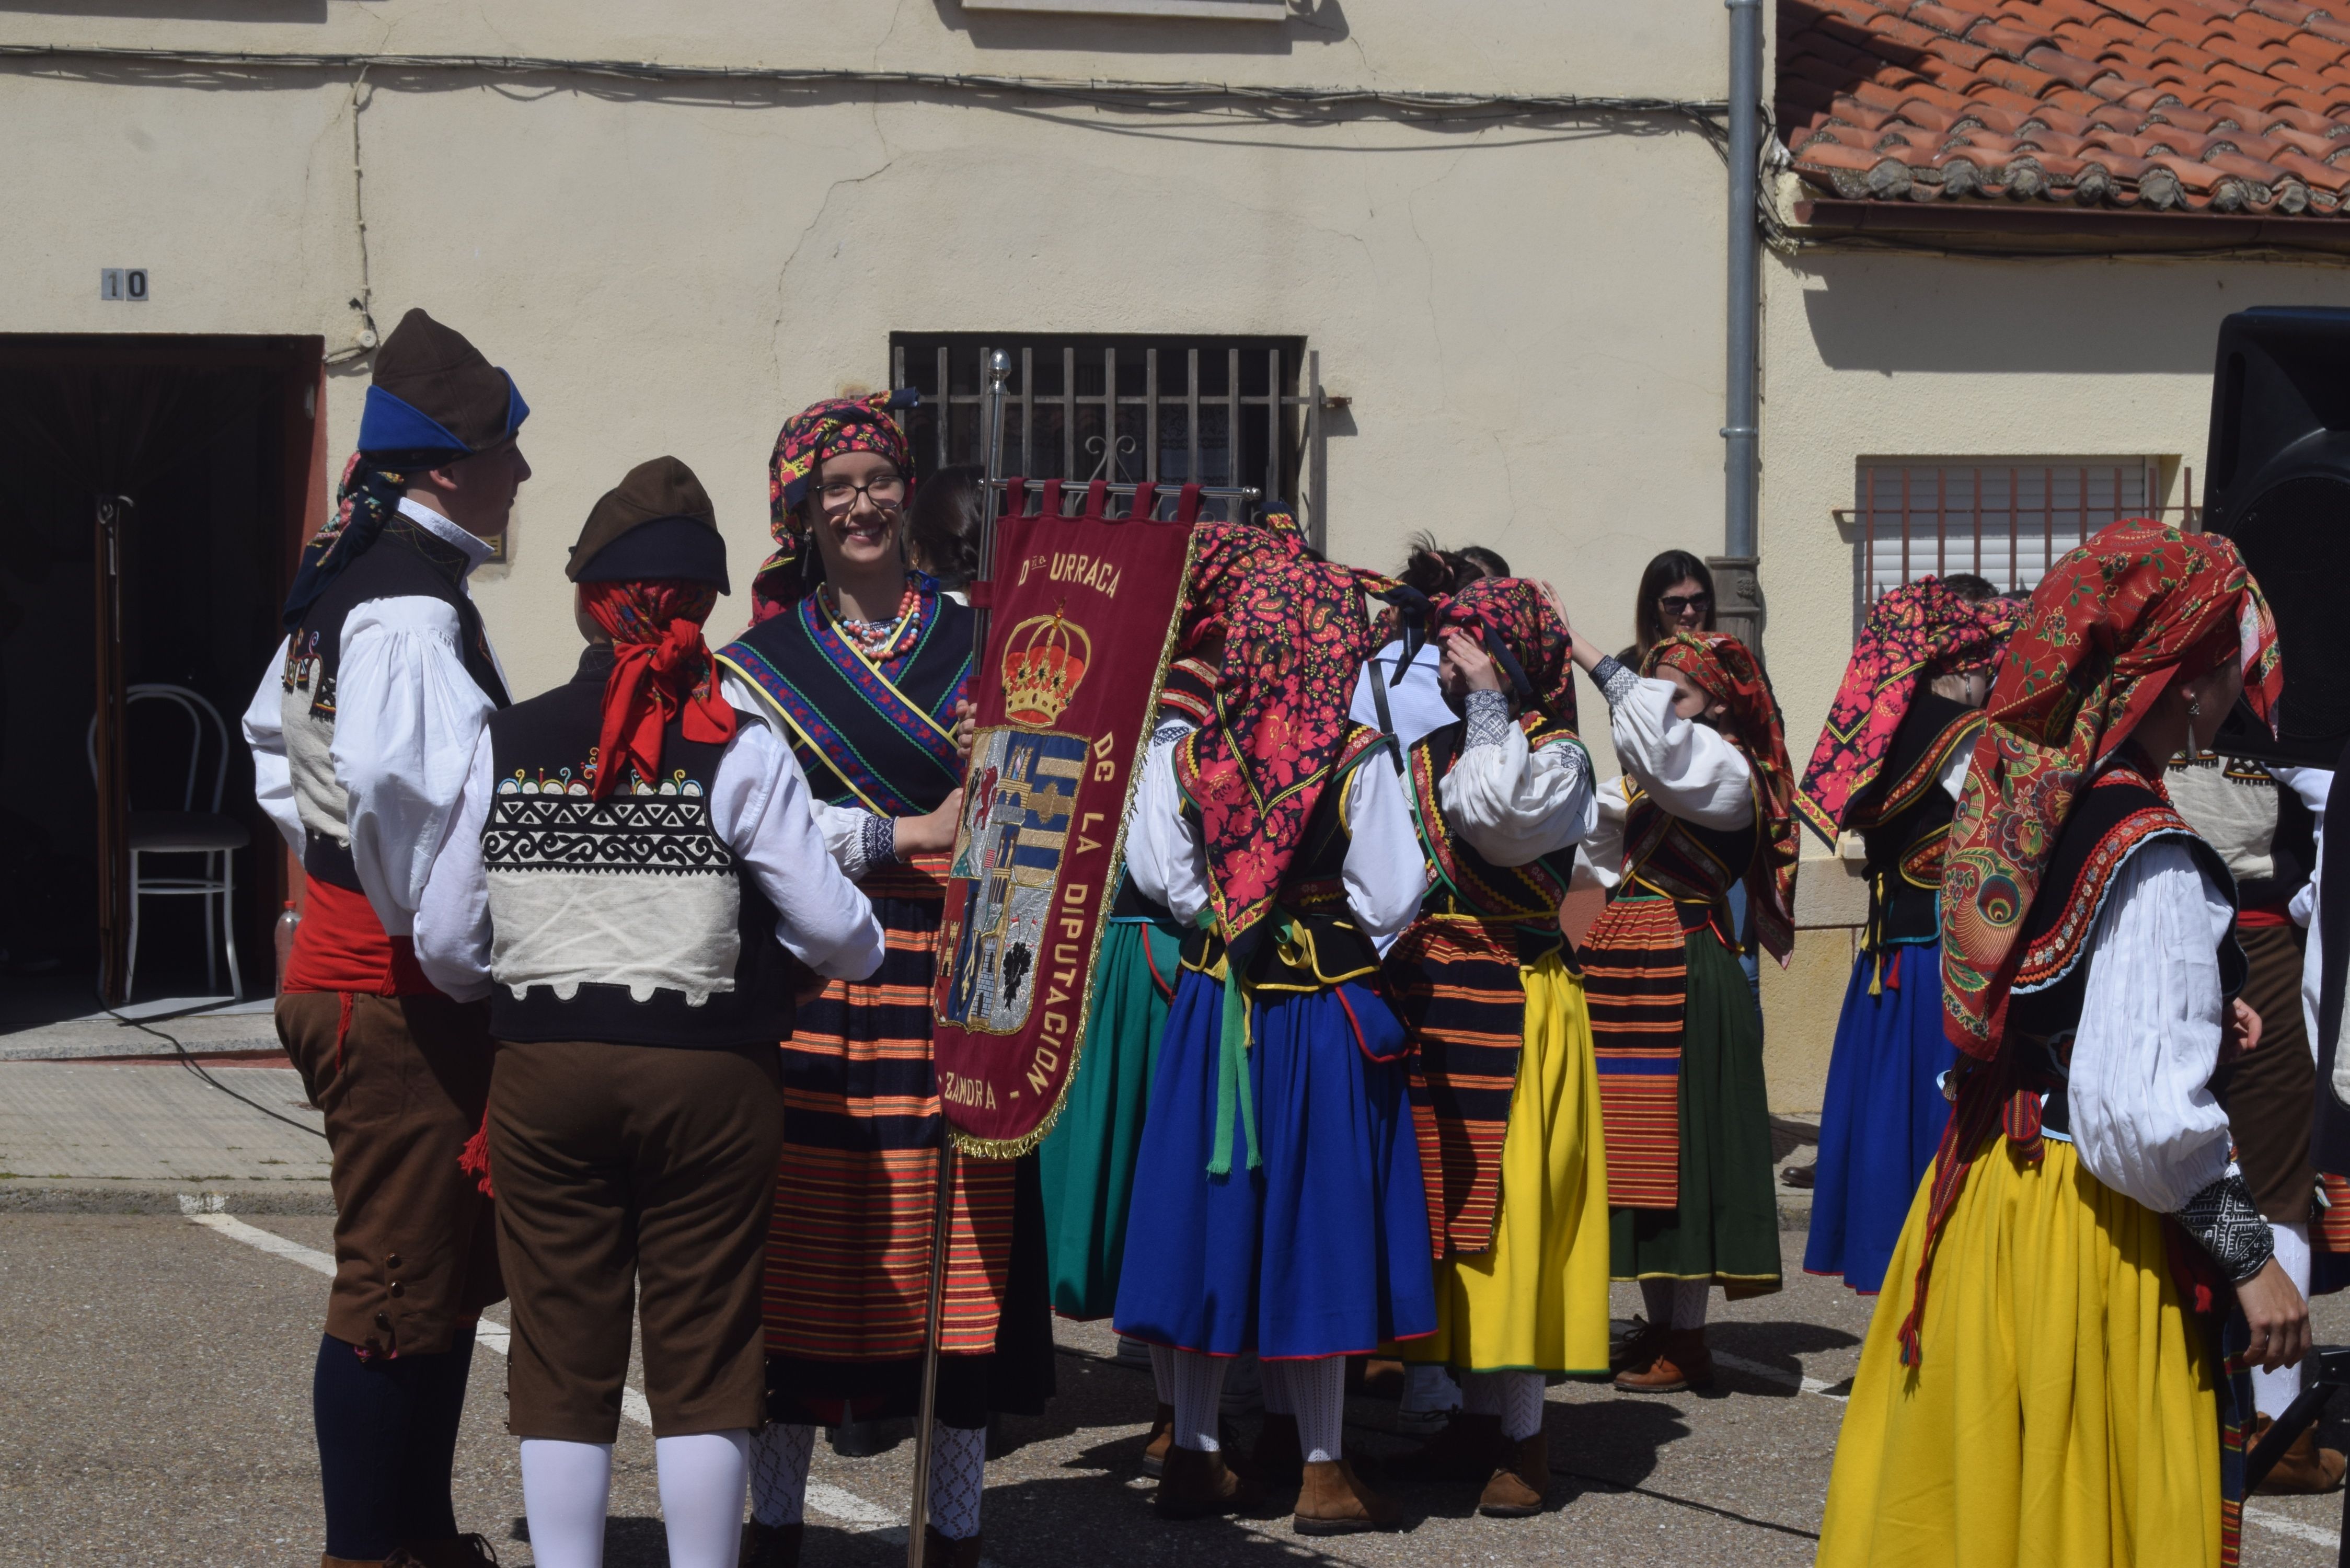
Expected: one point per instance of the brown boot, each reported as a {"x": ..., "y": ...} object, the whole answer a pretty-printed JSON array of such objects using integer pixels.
[
  {"x": 1162, "y": 1437},
  {"x": 1640, "y": 1345},
  {"x": 1201, "y": 1485},
  {"x": 1335, "y": 1501},
  {"x": 1522, "y": 1484},
  {"x": 454, "y": 1551},
  {"x": 2302, "y": 1469},
  {"x": 1277, "y": 1462},
  {"x": 1682, "y": 1362},
  {"x": 1467, "y": 1450},
  {"x": 772, "y": 1545},
  {"x": 937, "y": 1551}
]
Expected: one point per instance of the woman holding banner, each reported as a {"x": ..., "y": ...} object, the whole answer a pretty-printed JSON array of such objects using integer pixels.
[
  {"x": 1504, "y": 1093},
  {"x": 1277, "y": 1173},
  {"x": 863, "y": 664}
]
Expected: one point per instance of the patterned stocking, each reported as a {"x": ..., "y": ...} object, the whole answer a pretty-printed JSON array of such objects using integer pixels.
[
  {"x": 958, "y": 1475},
  {"x": 779, "y": 1471}
]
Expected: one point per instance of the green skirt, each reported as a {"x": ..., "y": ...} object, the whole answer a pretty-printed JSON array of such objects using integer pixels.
[
  {"x": 1727, "y": 1227},
  {"x": 1088, "y": 1159}
]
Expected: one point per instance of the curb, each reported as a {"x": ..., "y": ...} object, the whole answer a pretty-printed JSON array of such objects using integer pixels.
[{"x": 34, "y": 1195}]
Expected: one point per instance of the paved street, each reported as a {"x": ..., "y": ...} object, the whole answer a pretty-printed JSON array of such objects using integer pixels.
[{"x": 154, "y": 1380}]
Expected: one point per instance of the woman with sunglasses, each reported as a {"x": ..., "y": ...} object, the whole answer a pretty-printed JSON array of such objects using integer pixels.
[
  {"x": 1676, "y": 597},
  {"x": 864, "y": 665}
]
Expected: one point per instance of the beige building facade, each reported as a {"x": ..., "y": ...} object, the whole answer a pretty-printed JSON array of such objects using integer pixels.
[{"x": 676, "y": 224}]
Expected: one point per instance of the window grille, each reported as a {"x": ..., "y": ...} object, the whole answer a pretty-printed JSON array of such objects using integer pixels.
[
  {"x": 2005, "y": 519},
  {"x": 1221, "y": 411}
]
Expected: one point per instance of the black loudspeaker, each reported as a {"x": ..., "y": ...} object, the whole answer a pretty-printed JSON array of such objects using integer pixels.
[{"x": 2278, "y": 472}]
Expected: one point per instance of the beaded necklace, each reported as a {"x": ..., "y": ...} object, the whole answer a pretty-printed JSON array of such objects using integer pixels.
[{"x": 876, "y": 640}]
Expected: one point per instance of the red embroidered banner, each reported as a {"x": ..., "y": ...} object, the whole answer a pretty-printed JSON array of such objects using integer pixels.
[{"x": 1081, "y": 612}]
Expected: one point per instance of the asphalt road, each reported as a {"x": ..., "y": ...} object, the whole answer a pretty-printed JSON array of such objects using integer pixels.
[{"x": 154, "y": 1393}]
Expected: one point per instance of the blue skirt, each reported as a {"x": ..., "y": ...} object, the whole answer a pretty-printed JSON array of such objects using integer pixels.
[
  {"x": 1320, "y": 1250},
  {"x": 1883, "y": 1116}
]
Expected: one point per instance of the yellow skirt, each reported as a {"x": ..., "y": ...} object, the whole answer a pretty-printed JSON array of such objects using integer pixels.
[
  {"x": 2063, "y": 1409},
  {"x": 1537, "y": 1299}
]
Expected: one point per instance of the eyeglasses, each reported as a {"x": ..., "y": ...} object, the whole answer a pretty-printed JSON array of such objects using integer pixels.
[
  {"x": 1681, "y": 604},
  {"x": 886, "y": 491}
]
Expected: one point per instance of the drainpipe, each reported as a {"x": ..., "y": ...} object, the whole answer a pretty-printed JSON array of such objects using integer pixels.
[{"x": 1738, "y": 592}]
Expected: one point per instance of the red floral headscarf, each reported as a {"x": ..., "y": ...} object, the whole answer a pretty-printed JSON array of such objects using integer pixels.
[
  {"x": 1293, "y": 635},
  {"x": 2111, "y": 626},
  {"x": 829, "y": 429},
  {"x": 1913, "y": 634},
  {"x": 1724, "y": 668},
  {"x": 660, "y": 665},
  {"x": 1519, "y": 615}
]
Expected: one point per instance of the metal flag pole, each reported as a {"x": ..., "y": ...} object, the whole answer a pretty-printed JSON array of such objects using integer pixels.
[{"x": 999, "y": 371}]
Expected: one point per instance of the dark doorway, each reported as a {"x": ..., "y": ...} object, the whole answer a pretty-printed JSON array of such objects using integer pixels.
[{"x": 164, "y": 486}]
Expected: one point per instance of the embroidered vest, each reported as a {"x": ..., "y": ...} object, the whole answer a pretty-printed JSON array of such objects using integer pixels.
[
  {"x": 1694, "y": 867},
  {"x": 879, "y": 737},
  {"x": 1905, "y": 823},
  {"x": 2121, "y": 813},
  {"x": 627, "y": 920},
  {"x": 1525, "y": 898},
  {"x": 1313, "y": 942},
  {"x": 404, "y": 562}
]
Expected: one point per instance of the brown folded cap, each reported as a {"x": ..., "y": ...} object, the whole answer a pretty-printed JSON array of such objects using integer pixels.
[
  {"x": 434, "y": 370},
  {"x": 656, "y": 523}
]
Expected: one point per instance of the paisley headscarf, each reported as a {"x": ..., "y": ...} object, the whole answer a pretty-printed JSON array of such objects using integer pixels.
[
  {"x": 1913, "y": 634},
  {"x": 1514, "y": 617},
  {"x": 829, "y": 429},
  {"x": 2110, "y": 628},
  {"x": 1293, "y": 635},
  {"x": 1723, "y": 668}
]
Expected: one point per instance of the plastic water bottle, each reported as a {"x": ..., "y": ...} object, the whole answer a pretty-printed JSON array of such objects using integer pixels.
[{"x": 287, "y": 924}]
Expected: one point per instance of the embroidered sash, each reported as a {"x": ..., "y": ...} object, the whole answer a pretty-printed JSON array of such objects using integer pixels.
[
  {"x": 886, "y": 739},
  {"x": 1636, "y": 977},
  {"x": 1455, "y": 978}
]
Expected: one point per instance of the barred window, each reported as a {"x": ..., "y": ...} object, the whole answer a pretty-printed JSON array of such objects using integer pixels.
[
  {"x": 2004, "y": 518},
  {"x": 1221, "y": 411}
]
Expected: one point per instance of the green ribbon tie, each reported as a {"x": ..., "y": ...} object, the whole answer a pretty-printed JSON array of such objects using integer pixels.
[{"x": 1231, "y": 1071}]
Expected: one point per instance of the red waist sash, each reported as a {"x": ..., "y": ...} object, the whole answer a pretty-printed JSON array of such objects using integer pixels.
[{"x": 342, "y": 946}]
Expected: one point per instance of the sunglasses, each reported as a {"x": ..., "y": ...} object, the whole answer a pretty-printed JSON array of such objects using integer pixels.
[{"x": 1681, "y": 604}]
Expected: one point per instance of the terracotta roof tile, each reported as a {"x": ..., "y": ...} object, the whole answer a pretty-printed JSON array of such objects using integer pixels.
[{"x": 2164, "y": 105}]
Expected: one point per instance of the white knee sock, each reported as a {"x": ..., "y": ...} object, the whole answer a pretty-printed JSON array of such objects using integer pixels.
[
  {"x": 2273, "y": 1391},
  {"x": 1656, "y": 1302},
  {"x": 702, "y": 1477},
  {"x": 565, "y": 1487},
  {"x": 958, "y": 1476},
  {"x": 1318, "y": 1387},
  {"x": 1521, "y": 1404},
  {"x": 779, "y": 1471},
  {"x": 1199, "y": 1398},
  {"x": 1162, "y": 1373},
  {"x": 1688, "y": 1303},
  {"x": 1278, "y": 1400},
  {"x": 1481, "y": 1394}
]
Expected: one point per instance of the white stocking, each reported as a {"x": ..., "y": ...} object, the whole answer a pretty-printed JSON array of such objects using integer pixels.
[
  {"x": 779, "y": 1471},
  {"x": 1319, "y": 1389},
  {"x": 1656, "y": 1302},
  {"x": 1688, "y": 1303},
  {"x": 565, "y": 1487},
  {"x": 1481, "y": 1394},
  {"x": 958, "y": 1476},
  {"x": 1162, "y": 1373},
  {"x": 701, "y": 1476},
  {"x": 1521, "y": 1404},
  {"x": 1199, "y": 1398}
]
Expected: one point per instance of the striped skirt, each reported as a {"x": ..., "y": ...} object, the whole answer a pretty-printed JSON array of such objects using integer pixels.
[{"x": 849, "y": 1247}]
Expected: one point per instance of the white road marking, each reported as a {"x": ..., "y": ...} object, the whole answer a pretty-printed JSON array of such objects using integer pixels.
[
  {"x": 863, "y": 1517},
  {"x": 2316, "y": 1535},
  {"x": 1783, "y": 1377}
]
